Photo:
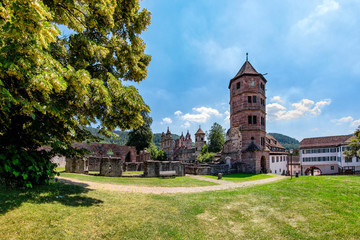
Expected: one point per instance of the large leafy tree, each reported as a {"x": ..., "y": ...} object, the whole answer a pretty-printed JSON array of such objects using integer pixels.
[
  {"x": 216, "y": 138},
  {"x": 354, "y": 145},
  {"x": 51, "y": 86},
  {"x": 142, "y": 136}
]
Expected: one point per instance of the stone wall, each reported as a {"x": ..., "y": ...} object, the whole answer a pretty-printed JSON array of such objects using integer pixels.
[
  {"x": 94, "y": 163},
  {"x": 76, "y": 165},
  {"x": 153, "y": 168},
  {"x": 127, "y": 153},
  {"x": 130, "y": 166},
  {"x": 111, "y": 167},
  {"x": 206, "y": 169}
]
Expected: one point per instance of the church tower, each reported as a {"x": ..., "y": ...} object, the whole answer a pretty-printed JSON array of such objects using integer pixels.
[
  {"x": 199, "y": 141},
  {"x": 248, "y": 114}
]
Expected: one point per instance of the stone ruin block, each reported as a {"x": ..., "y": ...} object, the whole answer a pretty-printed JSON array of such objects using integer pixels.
[
  {"x": 76, "y": 165},
  {"x": 111, "y": 167},
  {"x": 153, "y": 168}
]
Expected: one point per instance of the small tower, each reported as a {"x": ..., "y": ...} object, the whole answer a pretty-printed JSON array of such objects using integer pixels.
[
  {"x": 199, "y": 141},
  {"x": 188, "y": 141},
  {"x": 168, "y": 144}
]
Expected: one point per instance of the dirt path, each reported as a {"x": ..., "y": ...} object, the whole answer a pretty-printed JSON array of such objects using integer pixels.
[{"x": 159, "y": 190}]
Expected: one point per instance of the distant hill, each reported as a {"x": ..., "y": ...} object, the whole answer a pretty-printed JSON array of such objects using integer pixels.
[{"x": 286, "y": 141}]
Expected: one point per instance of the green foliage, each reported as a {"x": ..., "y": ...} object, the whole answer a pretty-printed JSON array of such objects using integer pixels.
[
  {"x": 354, "y": 145},
  {"x": 121, "y": 136},
  {"x": 141, "y": 137},
  {"x": 204, "y": 149},
  {"x": 52, "y": 87},
  {"x": 206, "y": 157},
  {"x": 216, "y": 138},
  {"x": 25, "y": 168},
  {"x": 152, "y": 149},
  {"x": 161, "y": 155},
  {"x": 286, "y": 141}
]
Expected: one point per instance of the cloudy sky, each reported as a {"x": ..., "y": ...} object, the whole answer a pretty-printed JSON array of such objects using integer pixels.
[{"x": 310, "y": 50}]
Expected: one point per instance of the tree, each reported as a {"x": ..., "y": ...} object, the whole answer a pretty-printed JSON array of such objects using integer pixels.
[
  {"x": 142, "y": 136},
  {"x": 52, "y": 87},
  {"x": 161, "y": 155},
  {"x": 216, "y": 138},
  {"x": 354, "y": 145}
]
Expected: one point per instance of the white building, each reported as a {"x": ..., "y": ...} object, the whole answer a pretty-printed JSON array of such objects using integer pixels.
[
  {"x": 325, "y": 155},
  {"x": 278, "y": 156}
]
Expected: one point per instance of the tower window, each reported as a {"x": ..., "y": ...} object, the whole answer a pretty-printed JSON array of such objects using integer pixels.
[
  {"x": 249, "y": 99},
  {"x": 254, "y": 120},
  {"x": 262, "y": 86},
  {"x": 254, "y": 99},
  {"x": 262, "y": 141},
  {"x": 238, "y": 85},
  {"x": 250, "y": 119},
  {"x": 262, "y": 121}
]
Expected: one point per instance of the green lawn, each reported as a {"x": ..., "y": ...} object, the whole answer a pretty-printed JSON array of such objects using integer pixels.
[
  {"x": 323, "y": 207},
  {"x": 140, "y": 181},
  {"x": 133, "y": 172},
  {"x": 243, "y": 177}
]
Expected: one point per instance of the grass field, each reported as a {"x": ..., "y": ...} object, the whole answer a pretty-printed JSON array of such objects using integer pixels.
[
  {"x": 324, "y": 207},
  {"x": 243, "y": 177},
  {"x": 139, "y": 181}
]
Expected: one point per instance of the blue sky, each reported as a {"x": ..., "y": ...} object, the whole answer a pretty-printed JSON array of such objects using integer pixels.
[{"x": 310, "y": 50}]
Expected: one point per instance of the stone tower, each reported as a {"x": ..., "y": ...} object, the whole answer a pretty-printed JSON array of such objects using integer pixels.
[
  {"x": 199, "y": 141},
  {"x": 248, "y": 114},
  {"x": 167, "y": 144}
]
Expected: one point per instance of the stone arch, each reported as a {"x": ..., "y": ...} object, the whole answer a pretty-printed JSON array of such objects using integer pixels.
[
  {"x": 128, "y": 157},
  {"x": 313, "y": 171}
]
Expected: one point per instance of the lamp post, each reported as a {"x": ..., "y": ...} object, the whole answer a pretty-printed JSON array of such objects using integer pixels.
[{"x": 291, "y": 153}]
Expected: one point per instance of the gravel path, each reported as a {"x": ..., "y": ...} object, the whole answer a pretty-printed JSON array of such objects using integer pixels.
[{"x": 159, "y": 190}]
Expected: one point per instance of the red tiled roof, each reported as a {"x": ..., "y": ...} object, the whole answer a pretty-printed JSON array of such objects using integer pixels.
[
  {"x": 273, "y": 142},
  {"x": 331, "y": 141},
  {"x": 246, "y": 68},
  {"x": 200, "y": 131}
]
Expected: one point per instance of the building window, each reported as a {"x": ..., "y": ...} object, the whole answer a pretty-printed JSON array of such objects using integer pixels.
[
  {"x": 277, "y": 158},
  {"x": 262, "y": 121},
  {"x": 249, "y": 99},
  {"x": 250, "y": 119},
  {"x": 332, "y": 167},
  {"x": 254, "y": 120},
  {"x": 272, "y": 159},
  {"x": 348, "y": 159},
  {"x": 238, "y": 85},
  {"x": 262, "y": 141},
  {"x": 262, "y": 86},
  {"x": 254, "y": 99}
]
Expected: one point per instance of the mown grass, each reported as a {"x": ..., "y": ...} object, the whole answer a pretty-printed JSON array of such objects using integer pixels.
[
  {"x": 140, "y": 181},
  {"x": 242, "y": 177},
  {"x": 133, "y": 172},
  {"x": 324, "y": 207}
]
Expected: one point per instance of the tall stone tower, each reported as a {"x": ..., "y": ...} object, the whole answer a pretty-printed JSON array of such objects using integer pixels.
[
  {"x": 248, "y": 114},
  {"x": 199, "y": 141}
]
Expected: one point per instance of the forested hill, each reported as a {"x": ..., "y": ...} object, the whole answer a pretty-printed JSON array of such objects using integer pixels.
[
  {"x": 286, "y": 141},
  {"x": 123, "y": 137}
]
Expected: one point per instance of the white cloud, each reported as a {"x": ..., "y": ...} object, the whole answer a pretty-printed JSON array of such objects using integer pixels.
[
  {"x": 221, "y": 58},
  {"x": 277, "y": 99},
  {"x": 227, "y": 116},
  {"x": 356, "y": 123},
  {"x": 314, "y": 21},
  {"x": 178, "y": 113},
  {"x": 166, "y": 120},
  {"x": 348, "y": 119},
  {"x": 277, "y": 111},
  {"x": 185, "y": 125},
  {"x": 203, "y": 115}
]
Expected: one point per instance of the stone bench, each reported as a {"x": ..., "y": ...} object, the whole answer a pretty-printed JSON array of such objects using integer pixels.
[{"x": 164, "y": 174}]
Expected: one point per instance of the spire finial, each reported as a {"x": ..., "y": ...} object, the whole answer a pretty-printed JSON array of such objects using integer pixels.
[{"x": 247, "y": 56}]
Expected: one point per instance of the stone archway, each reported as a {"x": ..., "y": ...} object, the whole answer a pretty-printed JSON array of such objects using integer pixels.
[
  {"x": 263, "y": 164},
  {"x": 313, "y": 171}
]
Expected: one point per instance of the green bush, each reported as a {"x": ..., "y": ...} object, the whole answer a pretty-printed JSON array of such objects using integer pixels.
[{"x": 24, "y": 168}]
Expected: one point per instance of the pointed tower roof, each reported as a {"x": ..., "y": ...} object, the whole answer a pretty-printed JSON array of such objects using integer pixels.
[
  {"x": 247, "y": 69},
  {"x": 168, "y": 131},
  {"x": 182, "y": 135},
  {"x": 199, "y": 131}
]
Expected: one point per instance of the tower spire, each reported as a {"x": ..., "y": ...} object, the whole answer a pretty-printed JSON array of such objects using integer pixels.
[{"x": 247, "y": 56}]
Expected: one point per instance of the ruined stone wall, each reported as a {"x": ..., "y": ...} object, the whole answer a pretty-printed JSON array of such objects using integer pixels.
[
  {"x": 111, "y": 167},
  {"x": 153, "y": 168},
  {"x": 129, "y": 166},
  {"x": 76, "y": 165},
  {"x": 127, "y": 153}
]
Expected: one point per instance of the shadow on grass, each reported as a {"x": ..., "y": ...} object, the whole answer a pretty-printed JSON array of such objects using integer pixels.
[{"x": 69, "y": 195}]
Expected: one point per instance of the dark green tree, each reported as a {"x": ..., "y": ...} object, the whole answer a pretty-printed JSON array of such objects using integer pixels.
[
  {"x": 161, "y": 155},
  {"x": 354, "y": 145},
  {"x": 142, "y": 136},
  {"x": 52, "y": 87},
  {"x": 216, "y": 138}
]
